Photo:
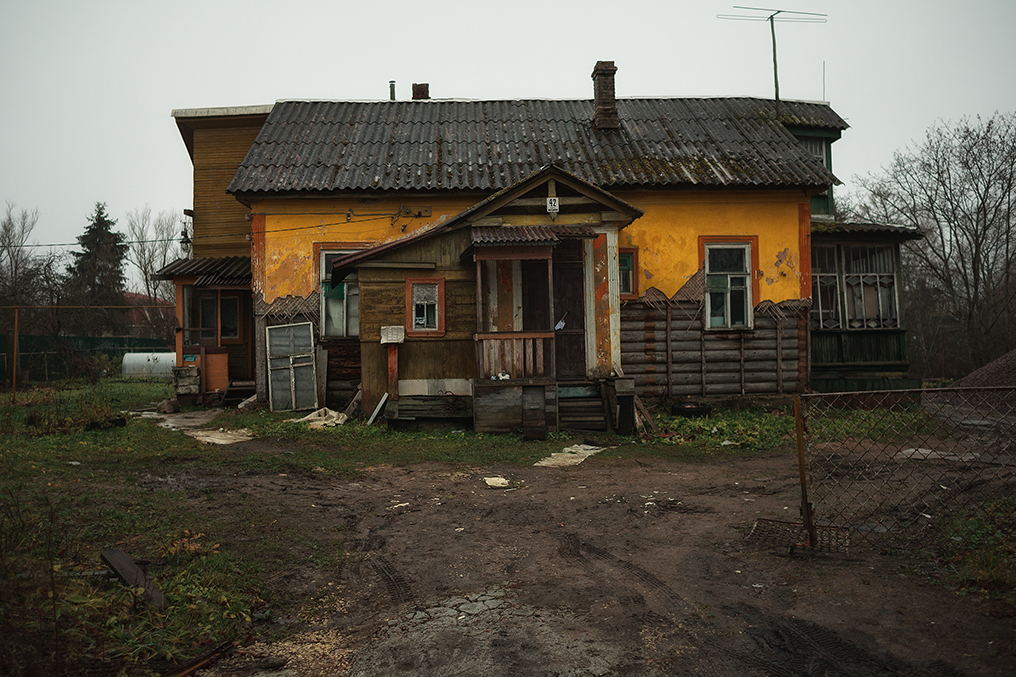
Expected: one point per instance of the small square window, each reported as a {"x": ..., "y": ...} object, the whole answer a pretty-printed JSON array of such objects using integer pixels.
[{"x": 425, "y": 307}]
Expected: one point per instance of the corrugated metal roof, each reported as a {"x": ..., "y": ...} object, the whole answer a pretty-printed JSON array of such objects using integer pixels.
[
  {"x": 850, "y": 228},
  {"x": 218, "y": 271},
  {"x": 527, "y": 235},
  {"x": 489, "y": 145}
]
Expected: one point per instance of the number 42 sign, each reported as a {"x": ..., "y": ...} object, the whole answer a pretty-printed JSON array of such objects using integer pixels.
[{"x": 553, "y": 205}]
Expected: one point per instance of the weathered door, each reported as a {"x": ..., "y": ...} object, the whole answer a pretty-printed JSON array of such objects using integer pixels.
[
  {"x": 569, "y": 311},
  {"x": 292, "y": 380}
]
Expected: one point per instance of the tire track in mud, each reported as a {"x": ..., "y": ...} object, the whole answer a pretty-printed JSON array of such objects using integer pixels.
[
  {"x": 398, "y": 589},
  {"x": 778, "y": 646},
  {"x": 593, "y": 559},
  {"x": 792, "y": 647}
]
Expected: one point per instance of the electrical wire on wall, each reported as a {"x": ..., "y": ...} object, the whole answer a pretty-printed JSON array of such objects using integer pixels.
[{"x": 192, "y": 238}]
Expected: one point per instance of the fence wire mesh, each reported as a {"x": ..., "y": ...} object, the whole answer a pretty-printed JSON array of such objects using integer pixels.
[{"x": 908, "y": 469}]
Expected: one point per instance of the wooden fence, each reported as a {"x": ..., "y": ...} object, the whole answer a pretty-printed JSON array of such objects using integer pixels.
[{"x": 666, "y": 350}]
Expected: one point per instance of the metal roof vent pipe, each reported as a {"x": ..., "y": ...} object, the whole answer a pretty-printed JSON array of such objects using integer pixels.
[
  {"x": 421, "y": 91},
  {"x": 391, "y": 90},
  {"x": 604, "y": 103}
]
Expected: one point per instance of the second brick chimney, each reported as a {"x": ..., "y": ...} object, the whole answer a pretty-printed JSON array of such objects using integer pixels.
[
  {"x": 604, "y": 103},
  {"x": 421, "y": 91}
]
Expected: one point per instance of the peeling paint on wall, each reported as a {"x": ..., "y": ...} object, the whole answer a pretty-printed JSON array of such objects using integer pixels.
[
  {"x": 287, "y": 265},
  {"x": 666, "y": 235}
]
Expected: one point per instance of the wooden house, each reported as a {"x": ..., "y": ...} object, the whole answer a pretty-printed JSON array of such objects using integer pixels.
[
  {"x": 713, "y": 280},
  {"x": 507, "y": 313}
]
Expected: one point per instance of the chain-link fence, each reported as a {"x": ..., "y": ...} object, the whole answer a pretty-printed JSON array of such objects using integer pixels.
[{"x": 903, "y": 468}]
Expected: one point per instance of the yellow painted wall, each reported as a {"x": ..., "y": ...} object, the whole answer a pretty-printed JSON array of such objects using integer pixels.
[
  {"x": 292, "y": 227},
  {"x": 667, "y": 236}
]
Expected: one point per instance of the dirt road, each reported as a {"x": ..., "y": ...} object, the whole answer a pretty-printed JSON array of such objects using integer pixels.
[{"x": 606, "y": 568}]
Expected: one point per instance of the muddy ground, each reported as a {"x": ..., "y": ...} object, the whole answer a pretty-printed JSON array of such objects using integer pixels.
[{"x": 640, "y": 568}]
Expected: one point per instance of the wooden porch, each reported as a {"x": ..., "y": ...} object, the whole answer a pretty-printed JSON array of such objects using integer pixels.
[{"x": 517, "y": 354}]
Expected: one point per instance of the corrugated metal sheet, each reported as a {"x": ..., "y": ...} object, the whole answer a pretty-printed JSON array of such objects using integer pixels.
[
  {"x": 221, "y": 271},
  {"x": 831, "y": 228},
  {"x": 527, "y": 235},
  {"x": 489, "y": 145}
]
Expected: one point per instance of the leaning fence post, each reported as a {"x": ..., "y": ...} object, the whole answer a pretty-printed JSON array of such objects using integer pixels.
[{"x": 809, "y": 522}]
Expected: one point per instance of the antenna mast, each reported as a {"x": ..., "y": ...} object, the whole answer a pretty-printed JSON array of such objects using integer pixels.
[{"x": 799, "y": 17}]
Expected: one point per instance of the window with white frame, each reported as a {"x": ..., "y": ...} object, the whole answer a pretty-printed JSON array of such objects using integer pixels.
[
  {"x": 340, "y": 305},
  {"x": 728, "y": 285},
  {"x": 424, "y": 306},
  {"x": 854, "y": 287}
]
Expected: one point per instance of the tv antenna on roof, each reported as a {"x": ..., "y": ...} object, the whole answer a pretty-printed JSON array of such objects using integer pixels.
[{"x": 784, "y": 16}]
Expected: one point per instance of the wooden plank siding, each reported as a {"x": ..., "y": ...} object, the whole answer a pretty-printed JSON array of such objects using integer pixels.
[
  {"x": 220, "y": 221},
  {"x": 769, "y": 359},
  {"x": 383, "y": 303}
]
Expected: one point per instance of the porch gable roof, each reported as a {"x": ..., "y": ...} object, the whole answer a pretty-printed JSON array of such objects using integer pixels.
[{"x": 345, "y": 264}]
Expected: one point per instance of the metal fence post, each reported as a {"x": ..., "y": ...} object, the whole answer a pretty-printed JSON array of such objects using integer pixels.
[{"x": 809, "y": 522}]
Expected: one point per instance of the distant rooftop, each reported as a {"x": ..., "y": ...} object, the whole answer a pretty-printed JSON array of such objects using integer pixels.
[{"x": 222, "y": 111}]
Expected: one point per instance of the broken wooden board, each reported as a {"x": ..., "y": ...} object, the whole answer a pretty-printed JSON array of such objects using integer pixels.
[
  {"x": 129, "y": 572},
  {"x": 202, "y": 661}
]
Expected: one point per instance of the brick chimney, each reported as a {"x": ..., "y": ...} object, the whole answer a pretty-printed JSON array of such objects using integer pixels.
[
  {"x": 421, "y": 91},
  {"x": 604, "y": 103}
]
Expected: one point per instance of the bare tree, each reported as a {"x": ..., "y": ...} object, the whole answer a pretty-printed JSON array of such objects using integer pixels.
[
  {"x": 154, "y": 243},
  {"x": 17, "y": 265},
  {"x": 957, "y": 187}
]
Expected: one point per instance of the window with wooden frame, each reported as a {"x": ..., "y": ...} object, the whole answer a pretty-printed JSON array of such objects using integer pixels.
[
  {"x": 627, "y": 272},
  {"x": 825, "y": 288},
  {"x": 212, "y": 317},
  {"x": 425, "y": 306},
  {"x": 340, "y": 305},
  {"x": 854, "y": 287},
  {"x": 729, "y": 271}
]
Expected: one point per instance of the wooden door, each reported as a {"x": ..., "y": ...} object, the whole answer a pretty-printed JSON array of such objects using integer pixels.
[{"x": 569, "y": 311}]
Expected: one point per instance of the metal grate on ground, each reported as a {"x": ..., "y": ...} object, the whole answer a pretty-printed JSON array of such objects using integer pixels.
[{"x": 795, "y": 535}]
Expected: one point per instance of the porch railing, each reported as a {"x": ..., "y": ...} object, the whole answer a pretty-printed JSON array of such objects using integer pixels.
[{"x": 520, "y": 354}]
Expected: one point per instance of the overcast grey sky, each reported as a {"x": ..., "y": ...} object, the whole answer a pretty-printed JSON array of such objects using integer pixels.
[{"x": 87, "y": 88}]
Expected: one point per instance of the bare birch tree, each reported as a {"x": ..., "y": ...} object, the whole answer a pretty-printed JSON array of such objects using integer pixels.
[
  {"x": 957, "y": 187},
  {"x": 154, "y": 243}
]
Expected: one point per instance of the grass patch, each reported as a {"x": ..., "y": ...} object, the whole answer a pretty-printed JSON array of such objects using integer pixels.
[
  {"x": 69, "y": 406},
  {"x": 981, "y": 554},
  {"x": 725, "y": 433},
  {"x": 217, "y": 551},
  {"x": 879, "y": 424}
]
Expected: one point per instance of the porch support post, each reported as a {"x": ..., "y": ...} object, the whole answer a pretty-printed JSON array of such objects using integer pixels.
[
  {"x": 479, "y": 318},
  {"x": 260, "y": 355},
  {"x": 553, "y": 342}
]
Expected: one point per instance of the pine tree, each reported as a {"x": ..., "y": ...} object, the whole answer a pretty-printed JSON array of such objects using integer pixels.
[{"x": 96, "y": 276}]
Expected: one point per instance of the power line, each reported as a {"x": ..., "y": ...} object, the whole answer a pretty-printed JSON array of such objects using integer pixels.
[{"x": 206, "y": 237}]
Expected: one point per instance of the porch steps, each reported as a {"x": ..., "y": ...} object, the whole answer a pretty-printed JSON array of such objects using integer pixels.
[
  {"x": 582, "y": 413},
  {"x": 238, "y": 391}
]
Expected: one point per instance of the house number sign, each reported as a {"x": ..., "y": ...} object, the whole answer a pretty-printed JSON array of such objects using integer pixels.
[{"x": 553, "y": 206}]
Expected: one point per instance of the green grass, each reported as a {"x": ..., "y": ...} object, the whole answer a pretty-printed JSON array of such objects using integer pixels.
[
  {"x": 67, "y": 493},
  {"x": 878, "y": 424},
  {"x": 980, "y": 553}
]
